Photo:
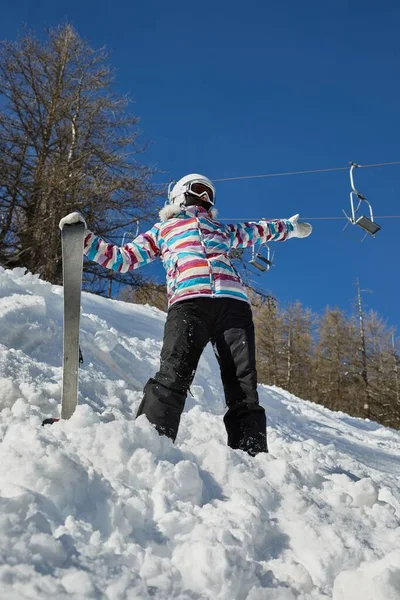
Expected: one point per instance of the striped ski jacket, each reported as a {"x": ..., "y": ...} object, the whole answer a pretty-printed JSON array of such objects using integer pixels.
[{"x": 194, "y": 248}]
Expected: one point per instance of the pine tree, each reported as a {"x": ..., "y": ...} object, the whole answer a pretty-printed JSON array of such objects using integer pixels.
[
  {"x": 268, "y": 326},
  {"x": 298, "y": 349},
  {"x": 336, "y": 380},
  {"x": 382, "y": 370}
]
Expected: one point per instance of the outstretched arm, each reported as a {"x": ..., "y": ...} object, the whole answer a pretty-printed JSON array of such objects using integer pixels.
[
  {"x": 141, "y": 251},
  {"x": 244, "y": 235}
]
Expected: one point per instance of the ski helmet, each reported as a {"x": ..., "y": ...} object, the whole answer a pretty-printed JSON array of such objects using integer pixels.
[{"x": 194, "y": 184}]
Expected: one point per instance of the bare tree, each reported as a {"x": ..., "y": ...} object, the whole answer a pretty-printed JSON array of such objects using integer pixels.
[{"x": 67, "y": 142}]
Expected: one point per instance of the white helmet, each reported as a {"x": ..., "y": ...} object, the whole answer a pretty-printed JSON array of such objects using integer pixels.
[{"x": 195, "y": 184}]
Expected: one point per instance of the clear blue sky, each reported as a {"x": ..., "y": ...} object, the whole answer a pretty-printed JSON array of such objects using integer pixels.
[{"x": 241, "y": 88}]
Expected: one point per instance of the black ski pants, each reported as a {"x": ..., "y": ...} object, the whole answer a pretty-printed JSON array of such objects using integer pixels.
[{"x": 190, "y": 325}]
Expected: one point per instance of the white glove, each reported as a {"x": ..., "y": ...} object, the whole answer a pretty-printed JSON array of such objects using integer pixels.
[
  {"x": 74, "y": 217},
  {"x": 301, "y": 230}
]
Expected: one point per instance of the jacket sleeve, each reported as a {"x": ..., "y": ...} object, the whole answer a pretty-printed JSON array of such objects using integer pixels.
[
  {"x": 141, "y": 251},
  {"x": 243, "y": 235}
]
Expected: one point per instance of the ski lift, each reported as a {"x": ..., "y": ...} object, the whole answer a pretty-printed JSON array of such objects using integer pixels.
[
  {"x": 133, "y": 236},
  {"x": 261, "y": 262},
  {"x": 366, "y": 223}
]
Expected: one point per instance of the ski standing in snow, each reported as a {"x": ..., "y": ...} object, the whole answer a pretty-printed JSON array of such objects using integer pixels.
[{"x": 207, "y": 301}]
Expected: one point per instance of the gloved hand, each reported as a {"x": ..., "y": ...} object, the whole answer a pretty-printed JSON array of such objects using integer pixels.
[
  {"x": 300, "y": 230},
  {"x": 73, "y": 217}
]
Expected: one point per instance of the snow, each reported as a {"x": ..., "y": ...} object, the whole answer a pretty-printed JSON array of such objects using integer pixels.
[{"x": 102, "y": 507}]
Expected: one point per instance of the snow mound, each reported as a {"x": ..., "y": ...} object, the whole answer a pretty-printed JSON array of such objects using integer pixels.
[{"x": 102, "y": 507}]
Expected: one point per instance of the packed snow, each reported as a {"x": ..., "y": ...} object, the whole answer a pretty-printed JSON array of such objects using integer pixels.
[{"x": 102, "y": 507}]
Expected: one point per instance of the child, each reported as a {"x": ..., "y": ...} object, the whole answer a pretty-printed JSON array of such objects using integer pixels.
[{"x": 207, "y": 302}]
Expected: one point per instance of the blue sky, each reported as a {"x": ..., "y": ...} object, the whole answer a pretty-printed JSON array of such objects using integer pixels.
[{"x": 231, "y": 88}]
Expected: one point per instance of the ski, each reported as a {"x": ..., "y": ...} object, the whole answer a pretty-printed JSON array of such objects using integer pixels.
[{"x": 72, "y": 238}]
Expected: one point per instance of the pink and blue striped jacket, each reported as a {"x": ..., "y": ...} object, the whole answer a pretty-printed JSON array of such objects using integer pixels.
[{"x": 194, "y": 248}]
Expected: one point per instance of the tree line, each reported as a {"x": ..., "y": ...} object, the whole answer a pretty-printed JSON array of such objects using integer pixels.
[{"x": 346, "y": 363}]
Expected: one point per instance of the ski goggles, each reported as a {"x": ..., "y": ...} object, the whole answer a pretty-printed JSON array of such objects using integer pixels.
[{"x": 199, "y": 189}]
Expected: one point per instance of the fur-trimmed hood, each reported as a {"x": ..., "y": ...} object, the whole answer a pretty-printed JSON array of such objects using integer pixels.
[{"x": 170, "y": 211}]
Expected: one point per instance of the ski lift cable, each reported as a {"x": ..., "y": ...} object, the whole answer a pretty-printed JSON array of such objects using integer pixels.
[
  {"x": 309, "y": 171},
  {"x": 234, "y": 219},
  {"x": 327, "y": 170}
]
